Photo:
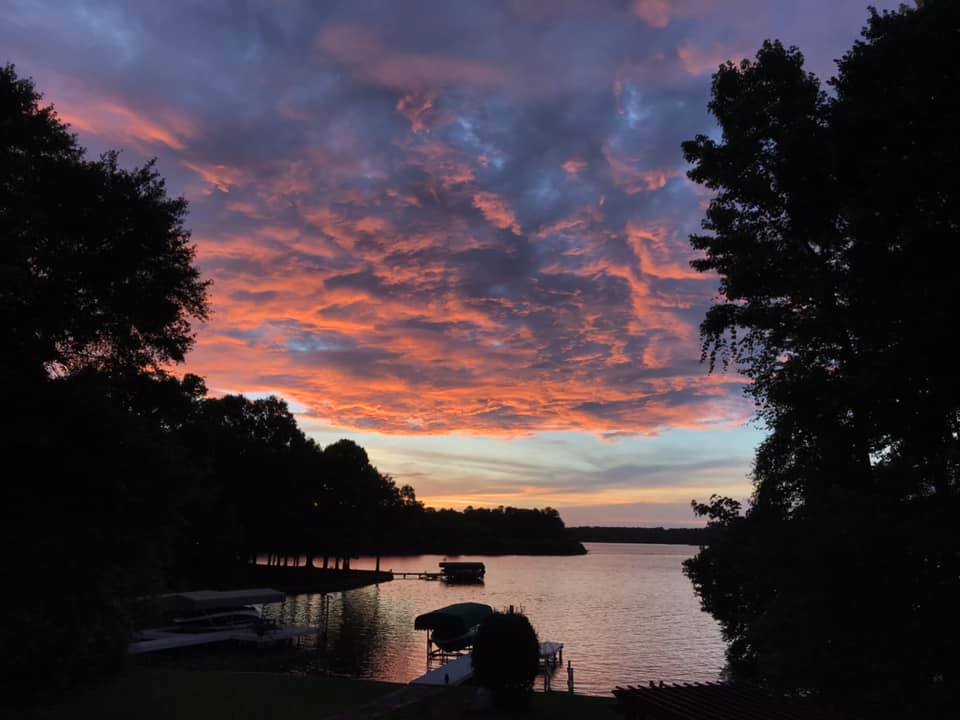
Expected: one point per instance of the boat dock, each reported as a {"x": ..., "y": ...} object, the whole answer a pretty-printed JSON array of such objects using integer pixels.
[
  {"x": 459, "y": 671},
  {"x": 455, "y": 672},
  {"x": 160, "y": 639},
  {"x": 451, "y": 572},
  {"x": 416, "y": 575}
]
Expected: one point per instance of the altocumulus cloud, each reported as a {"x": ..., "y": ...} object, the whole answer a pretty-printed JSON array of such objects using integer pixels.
[{"x": 431, "y": 217}]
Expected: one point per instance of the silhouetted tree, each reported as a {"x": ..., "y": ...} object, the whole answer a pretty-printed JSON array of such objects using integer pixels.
[
  {"x": 835, "y": 230},
  {"x": 506, "y": 658},
  {"x": 97, "y": 290},
  {"x": 96, "y": 265}
]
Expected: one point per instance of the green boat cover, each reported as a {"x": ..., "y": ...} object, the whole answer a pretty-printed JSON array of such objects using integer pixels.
[{"x": 453, "y": 619}]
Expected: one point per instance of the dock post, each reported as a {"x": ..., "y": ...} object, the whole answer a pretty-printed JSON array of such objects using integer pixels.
[
  {"x": 569, "y": 676},
  {"x": 561, "y": 654}
]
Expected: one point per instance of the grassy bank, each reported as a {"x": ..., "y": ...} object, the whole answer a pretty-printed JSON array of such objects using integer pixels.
[
  {"x": 166, "y": 694},
  {"x": 457, "y": 703},
  {"x": 154, "y": 694}
]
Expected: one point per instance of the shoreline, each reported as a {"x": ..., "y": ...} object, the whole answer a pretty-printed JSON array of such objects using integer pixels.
[
  {"x": 156, "y": 693},
  {"x": 296, "y": 580}
]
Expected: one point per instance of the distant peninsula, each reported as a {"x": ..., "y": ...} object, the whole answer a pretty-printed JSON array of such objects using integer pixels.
[{"x": 658, "y": 535}]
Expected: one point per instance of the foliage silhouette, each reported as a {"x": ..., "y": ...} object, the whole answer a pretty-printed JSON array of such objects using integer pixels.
[
  {"x": 834, "y": 230},
  {"x": 506, "y": 658},
  {"x": 96, "y": 267},
  {"x": 97, "y": 289}
]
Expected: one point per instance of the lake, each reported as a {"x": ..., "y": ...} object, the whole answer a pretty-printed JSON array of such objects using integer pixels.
[{"x": 625, "y": 613}]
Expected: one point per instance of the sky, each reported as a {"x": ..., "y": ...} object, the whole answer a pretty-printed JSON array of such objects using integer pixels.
[{"x": 455, "y": 232}]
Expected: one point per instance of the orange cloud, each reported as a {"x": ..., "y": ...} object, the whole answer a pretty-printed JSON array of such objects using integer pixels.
[
  {"x": 697, "y": 61},
  {"x": 114, "y": 120},
  {"x": 574, "y": 166},
  {"x": 634, "y": 179},
  {"x": 222, "y": 177},
  {"x": 416, "y": 107},
  {"x": 497, "y": 212},
  {"x": 651, "y": 248}
]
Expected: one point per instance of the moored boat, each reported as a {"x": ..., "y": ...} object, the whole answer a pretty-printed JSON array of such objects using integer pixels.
[
  {"x": 453, "y": 628},
  {"x": 208, "y": 611},
  {"x": 462, "y": 572}
]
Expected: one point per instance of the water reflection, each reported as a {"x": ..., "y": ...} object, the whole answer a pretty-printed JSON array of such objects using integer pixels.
[{"x": 625, "y": 614}]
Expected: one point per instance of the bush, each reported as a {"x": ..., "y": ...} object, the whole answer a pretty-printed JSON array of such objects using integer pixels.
[{"x": 506, "y": 658}]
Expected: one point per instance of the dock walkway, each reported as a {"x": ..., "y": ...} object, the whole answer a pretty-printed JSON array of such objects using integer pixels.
[
  {"x": 455, "y": 672},
  {"x": 459, "y": 671},
  {"x": 416, "y": 575}
]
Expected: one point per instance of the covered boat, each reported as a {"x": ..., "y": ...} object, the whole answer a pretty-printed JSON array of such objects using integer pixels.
[
  {"x": 454, "y": 627},
  {"x": 206, "y": 611},
  {"x": 462, "y": 572}
]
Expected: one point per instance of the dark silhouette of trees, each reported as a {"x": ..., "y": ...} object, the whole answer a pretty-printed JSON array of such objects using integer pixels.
[
  {"x": 835, "y": 230},
  {"x": 660, "y": 535},
  {"x": 97, "y": 267},
  {"x": 97, "y": 289}
]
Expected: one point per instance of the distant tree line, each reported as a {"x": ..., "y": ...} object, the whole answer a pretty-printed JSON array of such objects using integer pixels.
[
  {"x": 658, "y": 535},
  {"x": 122, "y": 480}
]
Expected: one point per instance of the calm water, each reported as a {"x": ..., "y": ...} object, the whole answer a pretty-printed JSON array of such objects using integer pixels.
[{"x": 625, "y": 613}]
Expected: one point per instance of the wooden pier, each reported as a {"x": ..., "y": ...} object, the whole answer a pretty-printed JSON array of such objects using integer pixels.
[
  {"x": 416, "y": 575},
  {"x": 470, "y": 573}
]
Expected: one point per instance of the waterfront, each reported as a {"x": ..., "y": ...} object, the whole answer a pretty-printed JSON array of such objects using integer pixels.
[{"x": 625, "y": 613}]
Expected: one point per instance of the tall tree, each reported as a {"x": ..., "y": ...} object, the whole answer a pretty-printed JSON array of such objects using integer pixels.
[
  {"x": 835, "y": 231},
  {"x": 96, "y": 266},
  {"x": 97, "y": 291}
]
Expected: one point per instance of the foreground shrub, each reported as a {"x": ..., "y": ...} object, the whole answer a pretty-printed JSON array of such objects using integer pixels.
[{"x": 506, "y": 658}]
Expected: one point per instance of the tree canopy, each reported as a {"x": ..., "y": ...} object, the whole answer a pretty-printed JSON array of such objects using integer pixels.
[
  {"x": 835, "y": 232},
  {"x": 96, "y": 265}
]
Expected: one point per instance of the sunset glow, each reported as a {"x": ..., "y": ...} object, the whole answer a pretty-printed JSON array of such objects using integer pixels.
[{"x": 456, "y": 234}]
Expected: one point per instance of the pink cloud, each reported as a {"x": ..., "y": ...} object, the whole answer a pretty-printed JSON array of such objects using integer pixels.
[
  {"x": 633, "y": 179},
  {"x": 700, "y": 61},
  {"x": 220, "y": 176},
  {"x": 660, "y": 13},
  {"x": 497, "y": 211},
  {"x": 362, "y": 51},
  {"x": 651, "y": 247},
  {"x": 111, "y": 118}
]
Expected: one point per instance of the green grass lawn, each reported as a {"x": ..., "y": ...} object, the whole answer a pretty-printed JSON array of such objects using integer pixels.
[
  {"x": 456, "y": 703},
  {"x": 179, "y": 695},
  {"x": 167, "y": 694}
]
